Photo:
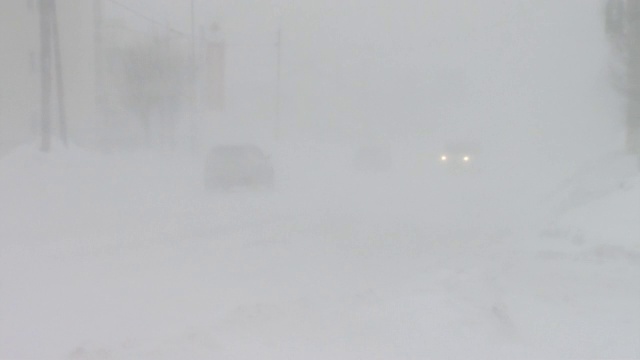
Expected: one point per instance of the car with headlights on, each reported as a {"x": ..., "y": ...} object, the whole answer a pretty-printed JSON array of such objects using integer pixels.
[{"x": 460, "y": 157}]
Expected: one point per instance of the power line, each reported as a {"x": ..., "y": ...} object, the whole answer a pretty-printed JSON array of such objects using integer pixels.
[{"x": 148, "y": 18}]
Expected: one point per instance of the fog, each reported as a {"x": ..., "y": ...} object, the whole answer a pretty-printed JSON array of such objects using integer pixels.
[{"x": 316, "y": 179}]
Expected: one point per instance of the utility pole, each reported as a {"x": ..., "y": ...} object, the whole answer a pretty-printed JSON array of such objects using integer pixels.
[
  {"x": 99, "y": 89},
  {"x": 194, "y": 82},
  {"x": 59, "y": 78},
  {"x": 278, "y": 120},
  {"x": 45, "y": 9}
]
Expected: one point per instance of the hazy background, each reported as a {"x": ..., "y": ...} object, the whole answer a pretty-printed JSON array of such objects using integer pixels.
[
  {"x": 374, "y": 69},
  {"x": 110, "y": 251}
]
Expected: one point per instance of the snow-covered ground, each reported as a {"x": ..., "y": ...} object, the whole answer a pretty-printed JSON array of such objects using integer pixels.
[{"x": 129, "y": 257}]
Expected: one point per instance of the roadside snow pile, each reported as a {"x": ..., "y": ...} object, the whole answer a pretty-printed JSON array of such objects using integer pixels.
[
  {"x": 597, "y": 179},
  {"x": 128, "y": 257},
  {"x": 75, "y": 192},
  {"x": 612, "y": 220},
  {"x": 600, "y": 209}
]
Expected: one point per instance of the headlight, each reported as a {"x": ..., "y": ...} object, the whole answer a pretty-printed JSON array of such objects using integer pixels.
[
  {"x": 443, "y": 158},
  {"x": 466, "y": 159}
]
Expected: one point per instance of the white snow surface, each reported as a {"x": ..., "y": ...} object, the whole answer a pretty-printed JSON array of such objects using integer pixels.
[{"x": 130, "y": 257}]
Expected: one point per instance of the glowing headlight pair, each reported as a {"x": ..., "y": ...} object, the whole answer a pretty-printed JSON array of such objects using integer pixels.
[{"x": 445, "y": 158}]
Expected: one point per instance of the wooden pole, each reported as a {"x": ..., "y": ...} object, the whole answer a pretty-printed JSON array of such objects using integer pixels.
[
  {"x": 194, "y": 87},
  {"x": 59, "y": 78},
  {"x": 277, "y": 125},
  {"x": 45, "y": 74},
  {"x": 104, "y": 136}
]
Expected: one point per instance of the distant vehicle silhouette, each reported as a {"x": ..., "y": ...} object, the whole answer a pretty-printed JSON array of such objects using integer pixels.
[
  {"x": 460, "y": 156},
  {"x": 372, "y": 159},
  {"x": 233, "y": 166}
]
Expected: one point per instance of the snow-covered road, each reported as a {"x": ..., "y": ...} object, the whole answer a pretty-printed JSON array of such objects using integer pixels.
[{"x": 114, "y": 257}]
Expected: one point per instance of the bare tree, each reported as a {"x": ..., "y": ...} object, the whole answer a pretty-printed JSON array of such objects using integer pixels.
[{"x": 154, "y": 87}]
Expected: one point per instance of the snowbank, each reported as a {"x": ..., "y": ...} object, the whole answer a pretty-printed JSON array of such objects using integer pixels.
[{"x": 128, "y": 257}]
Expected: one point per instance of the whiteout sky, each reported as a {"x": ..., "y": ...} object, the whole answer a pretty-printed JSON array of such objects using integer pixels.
[{"x": 368, "y": 68}]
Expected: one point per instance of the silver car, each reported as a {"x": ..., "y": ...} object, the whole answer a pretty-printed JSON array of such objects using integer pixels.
[
  {"x": 372, "y": 159},
  {"x": 232, "y": 166}
]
